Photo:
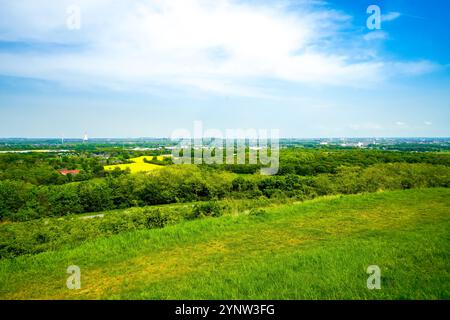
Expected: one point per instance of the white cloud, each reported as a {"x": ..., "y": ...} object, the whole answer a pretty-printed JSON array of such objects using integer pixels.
[
  {"x": 428, "y": 123},
  {"x": 220, "y": 46},
  {"x": 390, "y": 16},
  {"x": 375, "y": 35},
  {"x": 400, "y": 124},
  {"x": 413, "y": 68}
]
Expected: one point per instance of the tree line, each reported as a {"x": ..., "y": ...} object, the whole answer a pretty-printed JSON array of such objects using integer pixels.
[{"x": 21, "y": 201}]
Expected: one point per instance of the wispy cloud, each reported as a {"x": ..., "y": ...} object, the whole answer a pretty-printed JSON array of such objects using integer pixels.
[
  {"x": 376, "y": 35},
  {"x": 390, "y": 16}
]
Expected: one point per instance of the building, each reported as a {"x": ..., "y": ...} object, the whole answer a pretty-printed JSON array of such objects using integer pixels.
[{"x": 66, "y": 172}]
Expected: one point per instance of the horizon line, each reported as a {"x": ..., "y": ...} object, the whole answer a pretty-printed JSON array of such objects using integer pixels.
[{"x": 209, "y": 137}]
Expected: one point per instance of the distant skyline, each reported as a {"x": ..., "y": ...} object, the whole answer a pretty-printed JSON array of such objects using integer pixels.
[{"x": 310, "y": 68}]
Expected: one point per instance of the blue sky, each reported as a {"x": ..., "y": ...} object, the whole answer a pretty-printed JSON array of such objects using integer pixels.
[{"x": 309, "y": 68}]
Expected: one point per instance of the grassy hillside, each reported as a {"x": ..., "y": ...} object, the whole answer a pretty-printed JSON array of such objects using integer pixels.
[{"x": 317, "y": 249}]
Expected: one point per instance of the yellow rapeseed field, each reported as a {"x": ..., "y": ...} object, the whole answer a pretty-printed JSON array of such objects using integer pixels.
[
  {"x": 138, "y": 166},
  {"x": 141, "y": 159}
]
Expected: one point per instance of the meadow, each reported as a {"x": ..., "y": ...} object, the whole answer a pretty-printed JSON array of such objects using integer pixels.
[
  {"x": 317, "y": 249},
  {"x": 52, "y": 233}
]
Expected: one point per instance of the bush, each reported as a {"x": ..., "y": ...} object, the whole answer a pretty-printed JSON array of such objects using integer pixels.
[
  {"x": 64, "y": 200},
  {"x": 95, "y": 196},
  {"x": 155, "y": 219},
  {"x": 208, "y": 209},
  {"x": 13, "y": 197},
  {"x": 257, "y": 212}
]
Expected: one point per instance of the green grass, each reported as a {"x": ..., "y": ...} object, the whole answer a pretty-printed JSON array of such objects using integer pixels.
[
  {"x": 318, "y": 249},
  {"x": 56, "y": 233}
]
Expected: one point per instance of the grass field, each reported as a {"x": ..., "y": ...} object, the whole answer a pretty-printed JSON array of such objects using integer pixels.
[
  {"x": 319, "y": 249},
  {"x": 138, "y": 166}
]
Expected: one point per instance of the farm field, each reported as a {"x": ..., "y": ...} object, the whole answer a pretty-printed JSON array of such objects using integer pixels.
[
  {"x": 138, "y": 166},
  {"x": 317, "y": 249}
]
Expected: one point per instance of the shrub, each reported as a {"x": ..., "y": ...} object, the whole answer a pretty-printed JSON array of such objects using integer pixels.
[
  {"x": 155, "y": 219},
  {"x": 95, "y": 196},
  {"x": 208, "y": 209},
  {"x": 257, "y": 212}
]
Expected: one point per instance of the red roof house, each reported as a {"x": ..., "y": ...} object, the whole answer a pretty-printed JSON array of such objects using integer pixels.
[{"x": 66, "y": 172}]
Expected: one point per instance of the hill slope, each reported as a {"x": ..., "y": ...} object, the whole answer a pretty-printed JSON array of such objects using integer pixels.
[{"x": 317, "y": 249}]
